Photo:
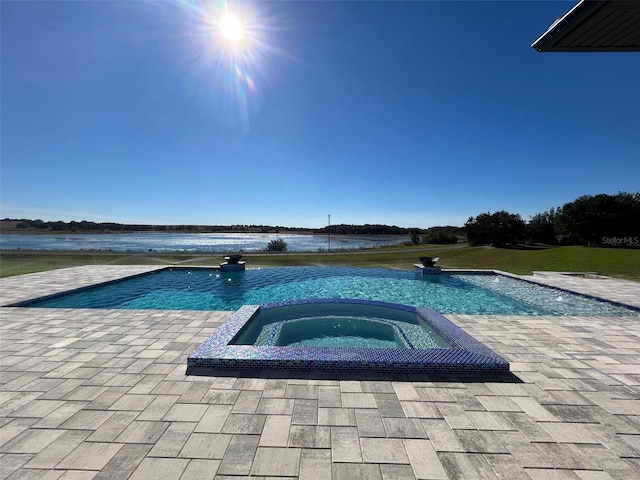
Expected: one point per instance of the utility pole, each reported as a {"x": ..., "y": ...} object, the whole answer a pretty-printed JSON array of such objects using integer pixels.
[{"x": 329, "y": 232}]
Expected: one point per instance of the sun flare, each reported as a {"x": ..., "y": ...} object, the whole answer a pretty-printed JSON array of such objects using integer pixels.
[
  {"x": 231, "y": 27},
  {"x": 230, "y": 48}
]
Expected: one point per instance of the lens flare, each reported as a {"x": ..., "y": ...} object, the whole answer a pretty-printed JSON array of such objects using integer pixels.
[
  {"x": 231, "y": 27},
  {"x": 226, "y": 51}
]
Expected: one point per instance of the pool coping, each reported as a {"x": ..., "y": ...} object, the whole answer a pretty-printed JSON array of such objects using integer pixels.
[
  {"x": 467, "y": 354},
  {"x": 26, "y": 302}
]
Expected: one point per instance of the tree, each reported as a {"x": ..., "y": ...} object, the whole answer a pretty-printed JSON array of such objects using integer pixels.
[
  {"x": 366, "y": 229},
  {"x": 39, "y": 224},
  {"x": 277, "y": 245},
  {"x": 542, "y": 228},
  {"x": 589, "y": 218},
  {"x": 58, "y": 226},
  {"x": 442, "y": 235},
  {"x": 498, "y": 229}
]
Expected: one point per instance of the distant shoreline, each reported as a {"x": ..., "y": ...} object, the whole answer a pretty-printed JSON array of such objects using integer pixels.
[
  {"x": 150, "y": 232},
  {"x": 7, "y": 227},
  {"x": 37, "y": 227}
]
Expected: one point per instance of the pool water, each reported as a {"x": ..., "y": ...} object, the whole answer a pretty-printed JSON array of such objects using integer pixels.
[
  {"x": 210, "y": 289},
  {"x": 336, "y": 331},
  {"x": 338, "y": 324},
  {"x": 333, "y": 330}
]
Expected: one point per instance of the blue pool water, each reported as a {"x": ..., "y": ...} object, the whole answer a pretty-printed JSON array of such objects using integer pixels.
[
  {"x": 338, "y": 324},
  {"x": 209, "y": 289}
]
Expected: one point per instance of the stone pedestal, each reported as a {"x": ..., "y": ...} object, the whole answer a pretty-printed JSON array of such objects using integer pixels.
[
  {"x": 422, "y": 270},
  {"x": 232, "y": 267}
]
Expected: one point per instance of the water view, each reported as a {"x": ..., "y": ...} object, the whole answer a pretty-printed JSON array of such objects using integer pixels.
[{"x": 192, "y": 242}]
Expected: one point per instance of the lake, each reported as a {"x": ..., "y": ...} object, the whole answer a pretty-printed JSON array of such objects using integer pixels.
[{"x": 192, "y": 242}]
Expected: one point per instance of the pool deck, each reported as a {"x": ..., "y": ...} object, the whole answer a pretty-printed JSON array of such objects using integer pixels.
[{"x": 102, "y": 394}]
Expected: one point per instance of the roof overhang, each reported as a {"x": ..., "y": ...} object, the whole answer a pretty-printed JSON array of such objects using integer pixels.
[{"x": 595, "y": 26}]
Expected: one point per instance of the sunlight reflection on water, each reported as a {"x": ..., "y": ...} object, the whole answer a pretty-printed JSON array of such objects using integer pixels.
[{"x": 196, "y": 242}]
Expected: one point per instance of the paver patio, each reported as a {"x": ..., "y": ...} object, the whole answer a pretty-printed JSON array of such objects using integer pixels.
[{"x": 102, "y": 394}]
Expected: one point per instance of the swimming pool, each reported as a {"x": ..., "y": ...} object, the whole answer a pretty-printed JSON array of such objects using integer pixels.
[
  {"x": 210, "y": 289},
  {"x": 441, "y": 347}
]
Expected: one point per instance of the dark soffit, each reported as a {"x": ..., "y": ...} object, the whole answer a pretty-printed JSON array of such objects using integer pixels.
[{"x": 595, "y": 26}]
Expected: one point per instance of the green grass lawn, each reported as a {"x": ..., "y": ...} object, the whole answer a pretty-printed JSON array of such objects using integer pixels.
[{"x": 606, "y": 261}]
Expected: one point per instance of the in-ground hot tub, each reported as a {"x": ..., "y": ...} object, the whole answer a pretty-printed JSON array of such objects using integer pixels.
[
  {"x": 343, "y": 335},
  {"x": 338, "y": 324}
]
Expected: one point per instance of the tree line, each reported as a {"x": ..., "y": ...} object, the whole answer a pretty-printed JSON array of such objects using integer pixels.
[
  {"x": 590, "y": 220},
  {"x": 84, "y": 226},
  {"x": 366, "y": 229}
]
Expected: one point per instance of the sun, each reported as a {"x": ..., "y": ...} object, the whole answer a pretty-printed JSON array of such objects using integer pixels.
[
  {"x": 231, "y": 46},
  {"x": 231, "y": 27}
]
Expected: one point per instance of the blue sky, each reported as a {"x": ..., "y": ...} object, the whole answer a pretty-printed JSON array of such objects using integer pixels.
[{"x": 407, "y": 113}]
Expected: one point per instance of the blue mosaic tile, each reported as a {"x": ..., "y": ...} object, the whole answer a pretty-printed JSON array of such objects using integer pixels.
[{"x": 467, "y": 354}]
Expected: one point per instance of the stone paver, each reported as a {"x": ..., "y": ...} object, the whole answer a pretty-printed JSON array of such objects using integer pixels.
[
  {"x": 383, "y": 450},
  {"x": 103, "y": 394},
  {"x": 205, "y": 445},
  {"x": 315, "y": 464},
  {"x": 276, "y": 462},
  {"x": 276, "y": 431},
  {"x": 160, "y": 469},
  {"x": 57, "y": 450},
  {"x": 90, "y": 456},
  {"x": 424, "y": 459},
  {"x": 172, "y": 440},
  {"x": 239, "y": 455},
  {"x": 345, "y": 445},
  {"x": 123, "y": 463},
  {"x": 307, "y": 436},
  {"x": 356, "y": 471}
]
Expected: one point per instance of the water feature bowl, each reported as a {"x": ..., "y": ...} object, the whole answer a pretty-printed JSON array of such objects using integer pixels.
[
  {"x": 429, "y": 261},
  {"x": 232, "y": 259}
]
